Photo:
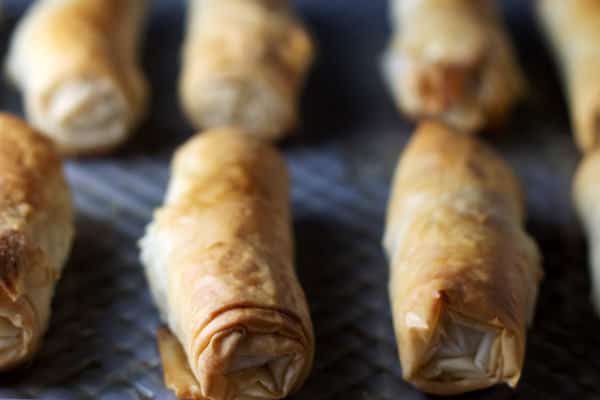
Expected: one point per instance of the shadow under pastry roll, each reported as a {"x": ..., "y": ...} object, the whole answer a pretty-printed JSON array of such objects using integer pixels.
[
  {"x": 464, "y": 273},
  {"x": 36, "y": 231},
  {"x": 76, "y": 62},
  {"x": 244, "y": 65},
  {"x": 452, "y": 60},
  {"x": 219, "y": 259}
]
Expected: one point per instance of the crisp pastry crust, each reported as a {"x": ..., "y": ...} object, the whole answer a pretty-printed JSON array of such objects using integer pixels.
[
  {"x": 36, "y": 231},
  {"x": 573, "y": 30},
  {"x": 586, "y": 195},
  {"x": 219, "y": 260},
  {"x": 244, "y": 64},
  {"x": 464, "y": 273},
  {"x": 76, "y": 62},
  {"x": 452, "y": 60}
]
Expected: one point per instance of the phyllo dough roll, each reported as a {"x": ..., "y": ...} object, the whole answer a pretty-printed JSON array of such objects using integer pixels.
[
  {"x": 244, "y": 64},
  {"x": 586, "y": 193},
  {"x": 76, "y": 62},
  {"x": 452, "y": 60},
  {"x": 36, "y": 230},
  {"x": 464, "y": 273},
  {"x": 573, "y": 31},
  {"x": 219, "y": 260}
]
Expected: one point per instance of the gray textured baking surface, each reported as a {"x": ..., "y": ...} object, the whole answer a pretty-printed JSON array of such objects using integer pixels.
[{"x": 101, "y": 341}]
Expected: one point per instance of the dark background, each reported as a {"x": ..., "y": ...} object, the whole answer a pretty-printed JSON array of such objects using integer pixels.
[{"x": 101, "y": 341}]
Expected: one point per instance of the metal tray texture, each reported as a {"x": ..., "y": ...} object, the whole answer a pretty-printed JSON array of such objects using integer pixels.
[{"x": 101, "y": 341}]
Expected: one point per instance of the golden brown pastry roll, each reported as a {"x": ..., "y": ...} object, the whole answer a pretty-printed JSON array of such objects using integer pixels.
[
  {"x": 219, "y": 260},
  {"x": 573, "y": 31},
  {"x": 244, "y": 64},
  {"x": 452, "y": 60},
  {"x": 36, "y": 230},
  {"x": 586, "y": 193},
  {"x": 76, "y": 62},
  {"x": 464, "y": 273}
]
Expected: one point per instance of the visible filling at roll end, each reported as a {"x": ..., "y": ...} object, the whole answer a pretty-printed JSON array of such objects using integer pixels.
[
  {"x": 86, "y": 115},
  {"x": 464, "y": 351},
  {"x": 424, "y": 88},
  {"x": 240, "y": 359},
  {"x": 261, "y": 368},
  {"x": 246, "y": 373},
  {"x": 255, "y": 106}
]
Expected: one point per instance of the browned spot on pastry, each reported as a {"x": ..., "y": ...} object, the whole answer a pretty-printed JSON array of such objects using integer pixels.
[
  {"x": 12, "y": 245},
  {"x": 453, "y": 83},
  {"x": 275, "y": 5},
  {"x": 477, "y": 170}
]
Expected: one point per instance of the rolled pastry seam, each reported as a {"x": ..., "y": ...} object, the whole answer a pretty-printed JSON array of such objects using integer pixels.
[
  {"x": 244, "y": 64},
  {"x": 464, "y": 273},
  {"x": 36, "y": 231},
  {"x": 76, "y": 62},
  {"x": 219, "y": 260},
  {"x": 586, "y": 194},
  {"x": 573, "y": 30},
  {"x": 452, "y": 60}
]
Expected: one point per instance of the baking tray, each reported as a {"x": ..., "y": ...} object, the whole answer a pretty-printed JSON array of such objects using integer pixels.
[{"x": 101, "y": 340}]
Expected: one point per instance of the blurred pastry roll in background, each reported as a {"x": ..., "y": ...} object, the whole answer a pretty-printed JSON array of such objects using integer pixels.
[
  {"x": 36, "y": 231},
  {"x": 219, "y": 260},
  {"x": 586, "y": 193},
  {"x": 452, "y": 60},
  {"x": 244, "y": 65},
  {"x": 464, "y": 273},
  {"x": 573, "y": 31},
  {"x": 76, "y": 62}
]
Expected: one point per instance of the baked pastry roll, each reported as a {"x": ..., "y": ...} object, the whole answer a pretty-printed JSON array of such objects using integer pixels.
[
  {"x": 586, "y": 193},
  {"x": 464, "y": 273},
  {"x": 219, "y": 260},
  {"x": 244, "y": 64},
  {"x": 573, "y": 30},
  {"x": 452, "y": 60},
  {"x": 76, "y": 62},
  {"x": 36, "y": 230}
]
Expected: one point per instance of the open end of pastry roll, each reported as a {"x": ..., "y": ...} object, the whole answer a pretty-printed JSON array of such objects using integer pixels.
[
  {"x": 468, "y": 355},
  {"x": 452, "y": 60},
  {"x": 77, "y": 65},
  {"x": 460, "y": 353},
  {"x": 250, "y": 102},
  {"x": 464, "y": 350},
  {"x": 246, "y": 353},
  {"x": 431, "y": 89},
  {"x": 83, "y": 116}
]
